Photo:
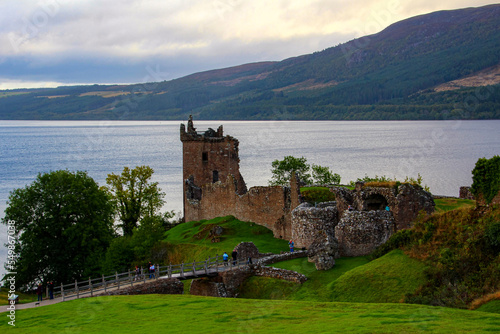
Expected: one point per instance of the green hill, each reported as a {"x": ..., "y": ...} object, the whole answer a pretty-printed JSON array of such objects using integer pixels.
[
  {"x": 394, "y": 74},
  {"x": 190, "y": 241},
  {"x": 190, "y": 314}
]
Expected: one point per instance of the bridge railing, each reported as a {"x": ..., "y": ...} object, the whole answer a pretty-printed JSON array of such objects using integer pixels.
[{"x": 94, "y": 286}]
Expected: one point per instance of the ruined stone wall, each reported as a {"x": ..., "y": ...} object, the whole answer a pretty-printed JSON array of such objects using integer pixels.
[
  {"x": 267, "y": 206},
  {"x": 310, "y": 223},
  {"x": 360, "y": 232},
  {"x": 465, "y": 193}
]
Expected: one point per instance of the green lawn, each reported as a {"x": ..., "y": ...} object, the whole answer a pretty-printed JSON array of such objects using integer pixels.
[{"x": 192, "y": 314}]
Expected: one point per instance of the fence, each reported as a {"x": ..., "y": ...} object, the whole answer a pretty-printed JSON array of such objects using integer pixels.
[{"x": 93, "y": 286}]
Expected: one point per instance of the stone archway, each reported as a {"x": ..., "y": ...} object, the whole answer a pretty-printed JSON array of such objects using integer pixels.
[{"x": 374, "y": 202}]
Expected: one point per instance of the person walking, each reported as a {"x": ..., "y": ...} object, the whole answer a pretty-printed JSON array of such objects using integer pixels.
[
  {"x": 39, "y": 291},
  {"x": 291, "y": 245},
  {"x": 234, "y": 255},
  {"x": 225, "y": 257},
  {"x": 51, "y": 290}
]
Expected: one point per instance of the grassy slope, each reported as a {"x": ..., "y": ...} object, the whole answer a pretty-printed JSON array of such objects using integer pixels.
[
  {"x": 384, "y": 280},
  {"x": 492, "y": 306},
  {"x": 190, "y": 241},
  {"x": 448, "y": 204},
  {"x": 191, "y": 314},
  {"x": 23, "y": 297}
]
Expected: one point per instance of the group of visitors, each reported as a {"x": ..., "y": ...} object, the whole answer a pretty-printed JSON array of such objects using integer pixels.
[
  {"x": 50, "y": 288},
  {"x": 234, "y": 256}
]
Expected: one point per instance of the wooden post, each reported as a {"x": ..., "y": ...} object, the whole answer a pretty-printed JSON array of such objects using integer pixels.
[
  {"x": 91, "y": 290},
  {"x": 182, "y": 269},
  {"x": 130, "y": 278},
  {"x": 104, "y": 282},
  {"x": 194, "y": 268},
  {"x": 216, "y": 264},
  {"x": 170, "y": 270},
  {"x": 62, "y": 291},
  {"x": 47, "y": 292},
  {"x": 157, "y": 271},
  {"x": 116, "y": 279},
  {"x": 76, "y": 289},
  {"x": 206, "y": 269}
]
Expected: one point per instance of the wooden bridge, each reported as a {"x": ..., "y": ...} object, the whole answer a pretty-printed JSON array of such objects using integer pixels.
[{"x": 196, "y": 269}]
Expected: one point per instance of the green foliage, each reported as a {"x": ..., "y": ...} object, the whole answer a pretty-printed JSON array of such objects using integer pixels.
[
  {"x": 63, "y": 224},
  {"x": 317, "y": 194},
  {"x": 143, "y": 246},
  {"x": 461, "y": 250},
  {"x": 282, "y": 170},
  {"x": 398, "y": 240},
  {"x": 323, "y": 175},
  {"x": 486, "y": 178},
  {"x": 135, "y": 197},
  {"x": 195, "y": 314},
  {"x": 389, "y": 182}
]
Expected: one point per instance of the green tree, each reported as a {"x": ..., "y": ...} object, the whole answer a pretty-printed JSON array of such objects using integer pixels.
[
  {"x": 63, "y": 223},
  {"x": 135, "y": 197},
  {"x": 282, "y": 170},
  {"x": 323, "y": 175},
  {"x": 486, "y": 178}
]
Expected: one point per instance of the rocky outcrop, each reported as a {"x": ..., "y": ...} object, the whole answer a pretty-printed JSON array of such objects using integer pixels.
[
  {"x": 323, "y": 252},
  {"x": 247, "y": 250},
  {"x": 278, "y": 273},
  {"x": 170, "y": 286},
  {"x": 360, "y": 232}
]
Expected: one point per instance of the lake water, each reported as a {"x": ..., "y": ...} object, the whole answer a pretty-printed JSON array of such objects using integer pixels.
[{"x": 443, "y": 152}]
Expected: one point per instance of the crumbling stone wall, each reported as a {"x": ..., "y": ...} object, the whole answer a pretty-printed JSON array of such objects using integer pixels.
[
  {"x": 360, "y": 232},
  {"x": 405, "y": 202},
  {"x": 465, "y": 193},
  {"x": 310, "y": 223}
]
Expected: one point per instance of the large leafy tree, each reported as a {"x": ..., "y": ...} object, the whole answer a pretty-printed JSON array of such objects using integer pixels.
[
  {"x": 282, "y": 171},
  {"x": 135, "y": 196},
  {"x": 63, "y": 224}
]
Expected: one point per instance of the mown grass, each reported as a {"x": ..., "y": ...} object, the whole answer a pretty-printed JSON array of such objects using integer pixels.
[
  {"x": 193, "y": 314},
  {"x": 449, "y": 204},
  {"x": 190, "y": 241}
]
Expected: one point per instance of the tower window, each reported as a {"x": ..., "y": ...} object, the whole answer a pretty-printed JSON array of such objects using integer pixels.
[
  {"x": 204, "y": 156},
  {"x": 215, "y": 175}
]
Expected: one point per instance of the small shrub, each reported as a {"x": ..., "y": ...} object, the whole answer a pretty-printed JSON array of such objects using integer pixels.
[
  {"x": 397, "y": 240},
  {"x": 317, "y": 195}
]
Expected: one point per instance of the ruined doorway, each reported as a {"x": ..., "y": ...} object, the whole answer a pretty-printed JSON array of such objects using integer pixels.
[{"x": 375, "y": 202}]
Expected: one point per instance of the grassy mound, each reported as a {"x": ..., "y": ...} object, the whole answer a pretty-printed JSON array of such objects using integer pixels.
[
  {"x": 192, "y": 314},
  {"x": 191, "y": 241},
  {"x": 314, "y": 289},
  {"x": 492, "y": 307},
  {"x": 384, "y": 280}
]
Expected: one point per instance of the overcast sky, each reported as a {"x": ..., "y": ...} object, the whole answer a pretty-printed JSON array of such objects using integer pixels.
[{"x": 53, "y": 42}]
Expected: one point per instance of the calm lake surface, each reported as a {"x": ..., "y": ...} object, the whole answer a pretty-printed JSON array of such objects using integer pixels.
[{"x": 443, "y": 152}]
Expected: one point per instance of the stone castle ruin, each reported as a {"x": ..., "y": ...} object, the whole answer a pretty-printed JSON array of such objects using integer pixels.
[{"x": 214, "y": 187}]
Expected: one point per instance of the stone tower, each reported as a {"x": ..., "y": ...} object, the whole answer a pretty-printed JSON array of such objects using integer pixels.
[{"x": 208, "y": 157}]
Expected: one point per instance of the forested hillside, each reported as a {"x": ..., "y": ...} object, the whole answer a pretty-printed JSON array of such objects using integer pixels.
[{"x": 389, "y": 75}]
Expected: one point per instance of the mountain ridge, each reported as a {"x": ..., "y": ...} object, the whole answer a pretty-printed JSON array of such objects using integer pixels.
[{"x": 392, "y": 74}]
